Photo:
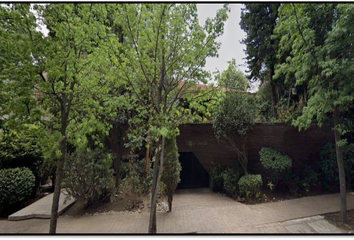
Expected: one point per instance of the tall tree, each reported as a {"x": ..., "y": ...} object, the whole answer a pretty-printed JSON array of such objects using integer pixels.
[
  {"x": 321, "y": 46},
  {"x": 258, "y": 20},
  {"x": 233, "y": 118},
  {"x": 65, "y": 69},
  {"x": 163, "y": 54}
]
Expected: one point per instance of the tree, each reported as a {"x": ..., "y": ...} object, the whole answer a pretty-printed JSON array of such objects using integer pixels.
[
  {"x": 161, "y": 58},
  {"x": 78, "y": 82},
  {"x": 65, "y": 73},
  {"x": 258, "y": 20},
  {"x": 232, "y": 120},
  {"x": 232, "y": 77},
  {"x": 321, "y": 47},
  {"x": 17, "y": 70}
]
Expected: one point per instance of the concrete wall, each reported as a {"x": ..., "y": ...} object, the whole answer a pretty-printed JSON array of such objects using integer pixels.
[{"x": 303, "y": 147}]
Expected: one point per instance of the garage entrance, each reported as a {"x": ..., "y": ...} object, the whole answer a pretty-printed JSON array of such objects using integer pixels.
[{"x": 193, "y": 174}]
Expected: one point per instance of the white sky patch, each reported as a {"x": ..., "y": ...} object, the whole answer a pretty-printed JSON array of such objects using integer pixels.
[
  {"x": 230, "y": 40},
  {"x": 231, "y": 46},
  {"x": 40, "y": 26}
]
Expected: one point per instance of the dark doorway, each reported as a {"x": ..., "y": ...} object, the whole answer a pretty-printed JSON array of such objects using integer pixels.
[{"x": 193, "y": 174}]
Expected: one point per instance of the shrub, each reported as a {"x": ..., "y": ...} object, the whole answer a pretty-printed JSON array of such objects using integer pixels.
[
  {"x": 301, "y": 180},
  {"x": 230, "y": 180},
  {"x": 132, "y": 183},
  {"x": 172, "y": 169},
  {"x": 275, "y": 163},
  {"x": 329, "y": 167},
  {"x": 216, "y": 177},
  {"x": 249, "y": 185},
  {"x": 21, "y": 149},
  {"x": 88, "y": 175},
  {"x": 16, "y": 186},
  {"x": 293, "y": 181},
  {"x": 309, "y": 178}
]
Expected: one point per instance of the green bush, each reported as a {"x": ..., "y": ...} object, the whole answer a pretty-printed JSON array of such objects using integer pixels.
[
  {"x": 171, "y": 169},
  {"x": 216, "y": 177},
  {"x": 132, "y": 182},
  {"x": 301, "y": 180},
  {"x": 21, "y": 149},
  {"x": 88, "y": 175},
  {"x": 16, "y": 185},
  {"x": 309, "y": 178},
  {"x": 329, "y": 167},
  {"x": 249, "y": 185},
  {"x": 275, "y": 163},
  {"x": 230, "y": 181}
]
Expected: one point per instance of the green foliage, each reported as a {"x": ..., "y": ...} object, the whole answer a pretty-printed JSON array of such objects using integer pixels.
[
  {"x": 132, "y": 182},
  {"x": 16, "y": 185},
  {"x": 234, "y": 113},
  {"x": 249, "y": 185},
  {"x": 225, "y": 179},
  {"x": 285, "y": 115},
  {"x": 309, "y": 178},
  {"x": 22, "y": 148},
  {"x": 230, "y": 181},
  {"x": 161, "y": 61},
  {"x": 172, "y": 166},
  {"x": 264, "y": 103},
  {"x": 17, "y": 66},
  {"x": 329, "y": 166},
  {"x": 275, "y": 163},
  {"x": 232, "y": 78},
  {"x": 258, "y": 20},
  {"x": 303, "y": 180},
  {"x": 16, "y": 145},
  {"x": 316, "y": 35},
  {"x": 88, "y": 175},
  {"x": 216, "y": 177},
  {"x": 233, "y": 118}
]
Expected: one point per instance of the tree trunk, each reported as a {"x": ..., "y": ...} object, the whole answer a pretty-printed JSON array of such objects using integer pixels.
[
  {"x": 158, "y": 168},
  {"x": 340, "y": 163},
  {"x": 147, "y": 155},
  {"x": 169, "y": 198},
  {"x": 57, "y": 188}
]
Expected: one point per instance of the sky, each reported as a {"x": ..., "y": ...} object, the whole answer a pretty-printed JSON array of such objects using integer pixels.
[{"x": 230, "y": 40}]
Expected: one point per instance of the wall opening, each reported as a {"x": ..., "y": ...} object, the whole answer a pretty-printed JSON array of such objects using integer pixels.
[{"x": 193, "y": 174}]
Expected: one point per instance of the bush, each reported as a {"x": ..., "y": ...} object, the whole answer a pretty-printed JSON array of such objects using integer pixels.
[
  {"x": 329, "y": 167},
  {"x": 16, "y": 185},
  {"x": 21, "y": 149},
  {"x": 132, "y": 183},
  {"x": 309, "y": 178},
  {"x": 230, "y": 180},
  {"x": 88, "y": 176},
  {"x": 304, "y": 179},
  {"x": 249, "y": 185},
  {"x": 275, "y": 163},
  {"x": 216, "y": 177}
]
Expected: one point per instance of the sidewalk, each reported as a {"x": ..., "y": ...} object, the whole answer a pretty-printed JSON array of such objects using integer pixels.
[{"x": 203, "y": 211}]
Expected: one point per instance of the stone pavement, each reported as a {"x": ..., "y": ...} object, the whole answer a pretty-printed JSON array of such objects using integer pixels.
[{"x": 202, "y": 211}]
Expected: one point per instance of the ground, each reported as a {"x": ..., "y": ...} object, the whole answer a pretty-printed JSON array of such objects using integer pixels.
[
  {"x": 143, "y": 204},
  {"x": 116, "y": 203}
]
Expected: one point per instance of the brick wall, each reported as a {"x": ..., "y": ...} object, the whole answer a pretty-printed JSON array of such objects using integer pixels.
[{"x": 303, "y": 147}]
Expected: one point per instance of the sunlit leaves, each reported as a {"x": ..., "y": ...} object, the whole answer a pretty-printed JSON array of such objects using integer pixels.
[{"x": 161, "y": 59}]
